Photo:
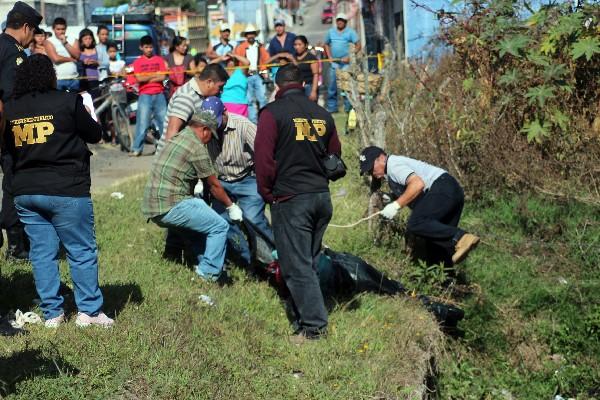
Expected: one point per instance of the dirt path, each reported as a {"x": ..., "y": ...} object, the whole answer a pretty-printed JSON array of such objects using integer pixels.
[{"x": 110, "y": 165}]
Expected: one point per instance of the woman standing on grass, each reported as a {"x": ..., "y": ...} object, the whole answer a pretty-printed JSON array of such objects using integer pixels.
[
  {"x": 309, "y": 67},
  {"x": 88, "y": 61},
  {"x": 47, "y": 131},
  {"x": 180, "y": 64}
]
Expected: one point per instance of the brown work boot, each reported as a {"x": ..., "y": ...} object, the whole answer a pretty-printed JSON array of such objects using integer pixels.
[{"x": 466, "y": 243}]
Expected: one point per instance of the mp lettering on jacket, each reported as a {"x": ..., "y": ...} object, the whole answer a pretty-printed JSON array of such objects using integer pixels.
[
  {"x": 33, "y": 130},
  {"x": 303, "y": 130}
]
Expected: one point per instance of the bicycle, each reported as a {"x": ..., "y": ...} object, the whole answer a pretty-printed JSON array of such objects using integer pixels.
[{"x": 114, "y": 96}]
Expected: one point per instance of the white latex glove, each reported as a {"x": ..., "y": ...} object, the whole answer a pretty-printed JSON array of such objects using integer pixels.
[
  {"x": 391, "y": 210},
  {"x": 235, "y": 213},
  {"x": 199, "y": 189}
]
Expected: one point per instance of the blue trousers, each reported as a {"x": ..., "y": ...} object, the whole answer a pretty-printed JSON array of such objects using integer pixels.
[
  {"x": 194, "y": 219},
  {"x": 149, "y": 106},
  {"x": 245, "y": 194},
  {"x": 49, "y": 220},
  {"x": 71, "y": 85},
  {"x": 256, "y": 94},
  {"x": 332, "y": 89}
]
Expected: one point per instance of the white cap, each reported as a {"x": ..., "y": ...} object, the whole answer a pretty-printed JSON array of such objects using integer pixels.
[
  {"x": 250, "y": 28},
  {"x": 341, "y": 15},
  {"x": 224, "y": 27}
]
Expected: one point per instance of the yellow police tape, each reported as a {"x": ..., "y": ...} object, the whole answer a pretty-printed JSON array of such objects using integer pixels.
[{"x": 379, "y": 58}]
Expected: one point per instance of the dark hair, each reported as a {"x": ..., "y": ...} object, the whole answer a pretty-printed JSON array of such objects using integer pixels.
[
  {"x": 288, "y": 74},
  {"x": 39, "y": 31},
  {"x": 199, "y": 58},
  {"x": 15, "y": 20},
  {"x": 86, "y": 32},
  {"x": 303, "y": 39},
  {"x": 102, "y": 28},
  {"x": 111, "y": 45},
  {"x": 146, "y": 40},
  {"x": 59, "y": 21},
  {"x": 35, "y": 74},
  {"x": 177, "y": 40},
  {"x": 214, "y": 72}
]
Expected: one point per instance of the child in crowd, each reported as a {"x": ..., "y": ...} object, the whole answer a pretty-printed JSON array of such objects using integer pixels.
[
  {"x": 150, "y": 71},
  {"x": 115, "y": 66}
]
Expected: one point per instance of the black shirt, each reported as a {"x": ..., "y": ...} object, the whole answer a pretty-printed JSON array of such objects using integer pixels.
[
  {"x": 304, "y": 66},
  {"x": 11, "y": 55},
  {"x": 46, "y": 134}
]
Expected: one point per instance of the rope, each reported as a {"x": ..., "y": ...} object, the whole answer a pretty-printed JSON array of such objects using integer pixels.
[
  {"x": 25, "y": 318},
  {"x": 355, "y": 223},
  {"x": 192, "y": 71}
]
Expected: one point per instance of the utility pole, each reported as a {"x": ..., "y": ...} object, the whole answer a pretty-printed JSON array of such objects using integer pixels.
[{"x": 80, "y": 12}]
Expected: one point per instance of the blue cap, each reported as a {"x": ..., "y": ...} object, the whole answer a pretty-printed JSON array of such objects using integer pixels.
[{"x": 216, "y": 107}]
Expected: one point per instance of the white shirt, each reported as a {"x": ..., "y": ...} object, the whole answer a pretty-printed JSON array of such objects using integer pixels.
[
  {"x": 399, "y": 168},
  {"x": 252, "y": 56},
  {"x": 67, "y": 70}
]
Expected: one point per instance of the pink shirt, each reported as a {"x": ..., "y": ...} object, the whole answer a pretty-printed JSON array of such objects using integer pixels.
[{"x": 153, "y": 64}]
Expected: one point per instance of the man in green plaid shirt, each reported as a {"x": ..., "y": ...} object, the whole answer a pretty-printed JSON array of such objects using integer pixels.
[{"x": 169, "y": 201}]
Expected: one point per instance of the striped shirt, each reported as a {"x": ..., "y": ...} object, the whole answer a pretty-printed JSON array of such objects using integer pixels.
[
  {"x": 184, "y": 102},
  {"x": 175, "y": 171},
  {"x": 234, "y": 153}
]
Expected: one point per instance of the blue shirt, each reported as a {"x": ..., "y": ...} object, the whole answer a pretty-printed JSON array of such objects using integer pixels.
[
  {"x": 235, "y": 89},
  {"x": 338, "y": 41},
  {"x": 275, "y": 46}
]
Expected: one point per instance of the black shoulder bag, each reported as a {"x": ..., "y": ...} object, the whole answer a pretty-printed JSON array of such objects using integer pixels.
[{"x": 333, "y": 165}]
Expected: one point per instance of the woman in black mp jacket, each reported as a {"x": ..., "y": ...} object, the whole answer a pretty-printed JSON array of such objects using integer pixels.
[{"x": 46, "y": 133}]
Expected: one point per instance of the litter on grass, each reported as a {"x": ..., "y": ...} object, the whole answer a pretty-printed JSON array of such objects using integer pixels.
[{"x": 25, "y": 318}]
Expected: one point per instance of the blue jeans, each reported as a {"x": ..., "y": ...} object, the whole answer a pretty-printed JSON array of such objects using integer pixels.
[
  {"x": 256, "y": 93},
  {"x": 72, "y": 85},
  {"x": 307, "y": 89},
  {"x": 194, "y": 219},
  {"x": 149, "y": 105},
  {"x": 245, "y": 194},
  {"x": 332, "y": 89},
  {"x": 49, "y": 220}
]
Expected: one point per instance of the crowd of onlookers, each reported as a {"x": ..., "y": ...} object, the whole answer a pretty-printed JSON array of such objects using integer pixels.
[{"x": 85, "y": 61}]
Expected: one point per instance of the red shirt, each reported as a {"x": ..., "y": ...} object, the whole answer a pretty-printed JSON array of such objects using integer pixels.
[{"x": 153, "y": 64}]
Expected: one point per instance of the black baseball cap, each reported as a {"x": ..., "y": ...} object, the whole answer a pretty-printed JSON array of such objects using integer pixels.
[
  {"x": 367, "y": 158},
  {"x": 30, "y": 15}
]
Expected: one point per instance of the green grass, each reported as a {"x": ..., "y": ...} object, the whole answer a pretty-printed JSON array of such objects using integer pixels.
[
  {"x": 532, "y": 327},
  {"x": 168, "y": 344}
]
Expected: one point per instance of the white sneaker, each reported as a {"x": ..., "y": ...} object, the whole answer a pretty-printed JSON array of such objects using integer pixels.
[
  {"x": 55, "y": 322},
  {"x": 101, "y": 319}
]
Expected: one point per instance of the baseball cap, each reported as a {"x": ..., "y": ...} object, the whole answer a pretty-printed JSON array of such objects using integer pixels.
[
  {"x": 367, "y": 158},
  {"x": 224, "y": 27},
  {"x": 30, "y": 15},
  {"x": 279, "y": 21},
  {"x": 341, "y": 16},
  {"x": 211, "y": 114}
]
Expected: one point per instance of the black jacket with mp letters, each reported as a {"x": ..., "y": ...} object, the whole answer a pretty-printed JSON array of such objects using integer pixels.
[{"x": 46, "y": 133}]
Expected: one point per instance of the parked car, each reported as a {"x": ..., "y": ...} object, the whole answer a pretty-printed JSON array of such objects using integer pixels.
[{"x": 327, "y": 13}]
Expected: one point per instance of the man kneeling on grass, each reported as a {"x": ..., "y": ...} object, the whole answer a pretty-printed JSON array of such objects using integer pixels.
[
  {"x": 169, "y": 201},
  {"x": 434, "y": 196}
]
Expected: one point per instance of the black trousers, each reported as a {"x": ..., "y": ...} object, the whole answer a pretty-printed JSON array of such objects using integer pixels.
[
  {"x": 436, "y": 213},
  {"x": 8, "y": 214},
  {"x": 298, "y": 226}
]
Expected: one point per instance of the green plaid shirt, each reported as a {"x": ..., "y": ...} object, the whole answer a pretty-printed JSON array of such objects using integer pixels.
[{"x": 180, "y": 164}]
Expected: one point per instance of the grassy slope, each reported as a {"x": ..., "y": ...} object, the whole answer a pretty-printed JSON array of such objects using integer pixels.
[
  {"x": 168, "y": 344},
  {"x": 532, "y": 327}
]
